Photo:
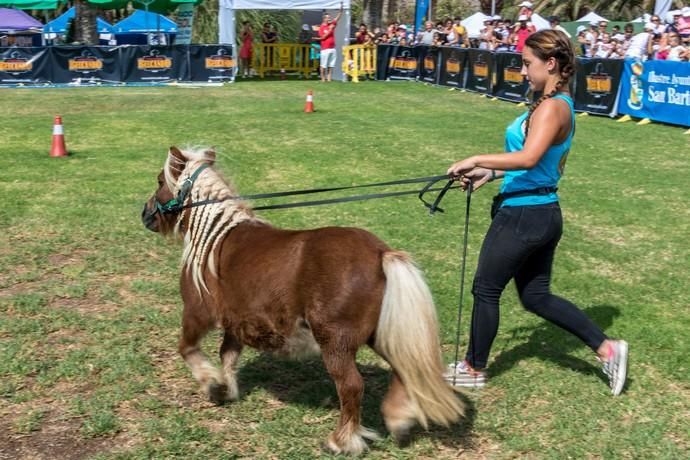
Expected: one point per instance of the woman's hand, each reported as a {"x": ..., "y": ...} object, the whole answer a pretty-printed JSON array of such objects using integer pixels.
[
  {"x": 478, "y": 176},
  {"x": 459, "y": 168}
]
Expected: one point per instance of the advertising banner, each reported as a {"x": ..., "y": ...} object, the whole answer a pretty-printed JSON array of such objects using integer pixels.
[
  {"x": 428, "y": 63},
  {"x": 509, "y": 83},
  {"x": 24, "y": 65},
  {"x": 402, "y": 63},
  {"x": 659, "y": 90},
  {"x": 452, "y": 68},
  {"x": 596, "y": 85},
  {"x": 84, "y": 64},
  {"x": 479, "y": 70},
  {"x": 211, "y": 62},
  {"x": 154, "y": 63}
]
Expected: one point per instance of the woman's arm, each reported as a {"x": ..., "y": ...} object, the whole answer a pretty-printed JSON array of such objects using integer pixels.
[{"x": 547, "y": 123}]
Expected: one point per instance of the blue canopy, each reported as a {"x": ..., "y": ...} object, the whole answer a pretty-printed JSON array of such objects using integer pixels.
[
  {"x": 143, "y": 22},
  {"x": 59, "y": 24}
]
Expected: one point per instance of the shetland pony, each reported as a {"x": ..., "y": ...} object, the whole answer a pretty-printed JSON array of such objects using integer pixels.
[{"x": 299, "y": 292}]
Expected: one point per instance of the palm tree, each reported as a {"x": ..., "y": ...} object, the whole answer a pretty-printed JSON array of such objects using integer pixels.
[
  {"x": 612, "y": 9},
  {"x": 85, "y": 23},
  {"x": 372, "y": 13},
  {"x": 485, "y": 6}
]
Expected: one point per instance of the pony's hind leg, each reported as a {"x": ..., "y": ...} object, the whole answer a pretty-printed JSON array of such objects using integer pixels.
[
  {"x": 229, "y": 355},
  {"x": 195, "y": 325},
  {"x": 397, "y": 411},
  {"x": 349, "y": 436}
]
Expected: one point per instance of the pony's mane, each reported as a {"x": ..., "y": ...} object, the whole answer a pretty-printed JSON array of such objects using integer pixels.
[{"x": 210, "y": 223}]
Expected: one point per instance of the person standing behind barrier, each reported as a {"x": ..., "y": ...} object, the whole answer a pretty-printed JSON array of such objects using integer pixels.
[
  {"x": 522, "y": 31},
  {"x": 268, "y": 36},
  {"x": 426, "y": 36},
  {"x": 526, "y": 221},
  {"x": 247, "y": 38},
  {"x": 327, "y": 37}
]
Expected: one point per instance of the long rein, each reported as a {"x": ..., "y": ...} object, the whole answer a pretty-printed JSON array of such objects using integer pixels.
[{"x": 429, "y": 187}]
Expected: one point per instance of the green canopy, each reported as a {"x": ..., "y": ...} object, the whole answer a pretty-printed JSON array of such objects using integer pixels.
[{"x": 157, "y": 6}]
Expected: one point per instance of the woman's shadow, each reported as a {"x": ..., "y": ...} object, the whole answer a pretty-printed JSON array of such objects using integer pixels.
[
  {"x": 541, "y": 339},
  {"x": 307, "y": 383}
]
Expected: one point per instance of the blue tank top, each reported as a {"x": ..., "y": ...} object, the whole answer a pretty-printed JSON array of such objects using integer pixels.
[{"x": 546, "y": 173}]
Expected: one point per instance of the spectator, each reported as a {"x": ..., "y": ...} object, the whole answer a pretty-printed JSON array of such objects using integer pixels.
[
  {"x": 502, "y": 36},
  {"x": 327, "y": 37},
  {"x": 486, "y": 34},
  {"x": 627, "y": 37},
  {"x": 247, "y": 38},
  {"x": 591, "y": 37},
  {"x": 641, "y": 44},
  {"x": 616, "y": 48},
  {"x": 659, "y": 28},
  {"x": 426, "y": 37},
  {"x": 363, "y": 35},
  {"x": 615, "y": 30},
  {"x": 555, "y": 24},
  {"x": 392, "y": 28},
  {"x": 582, "y": 40},
  {"x": 269, "y": 34},
  {"x": 526, "y": 10},
  {"x": 452, "y": 37},
  {"x": 684, "y": 25},
  {"x": 460, "y": 31},
  {"x": 673, "y": 20},
  {"x": 305, "y": 35},
  {"x": 676, "y": 51},
  {"x": 382, "y": 39},
  {"x": 602, "y": 26},
  {"x": 604, "y": 47},
  {"x": 522, "y": 31}
]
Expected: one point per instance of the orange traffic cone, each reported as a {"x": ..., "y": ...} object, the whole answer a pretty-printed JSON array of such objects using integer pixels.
[
  {"x": 309, "y": 106},
  {"x": 58, "y": 149}
]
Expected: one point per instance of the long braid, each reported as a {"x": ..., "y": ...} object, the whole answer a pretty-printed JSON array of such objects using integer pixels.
[{"x": 547, "y": 44}]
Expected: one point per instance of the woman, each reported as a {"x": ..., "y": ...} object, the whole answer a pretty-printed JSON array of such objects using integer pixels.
[
  {"x": 247, "y": 37},
  {"x": 527, "y": 225}
]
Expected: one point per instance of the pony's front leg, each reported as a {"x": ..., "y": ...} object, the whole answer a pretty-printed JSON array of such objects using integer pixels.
[
  {"x": 196, "y": 322},
  {"x": 229, "y": 355},
  {"x": 349, "y": 436}
]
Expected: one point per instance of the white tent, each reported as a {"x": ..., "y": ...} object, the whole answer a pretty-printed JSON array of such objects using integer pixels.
[
  {"x": 539, "y": 22},
  {"x": 474, "y": 24},
  {"x": 227, "y": 26},
  {"x": 589, "y": 17}
]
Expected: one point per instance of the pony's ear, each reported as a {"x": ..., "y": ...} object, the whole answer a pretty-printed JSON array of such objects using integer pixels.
[
  {"x": 176, "y": 161},
  {"x": 211, "y": 155}
]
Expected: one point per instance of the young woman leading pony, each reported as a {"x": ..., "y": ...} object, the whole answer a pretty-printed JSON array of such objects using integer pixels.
[{"x": 297, "y": 292}]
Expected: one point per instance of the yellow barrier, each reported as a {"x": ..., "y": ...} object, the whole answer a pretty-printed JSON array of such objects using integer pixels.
[
  {"x": 359, "y": 61},
  {"x": 283, "y": 57}
]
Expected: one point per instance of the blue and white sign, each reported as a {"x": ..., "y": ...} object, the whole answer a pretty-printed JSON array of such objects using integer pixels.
[{"x": 658, "y": 90}]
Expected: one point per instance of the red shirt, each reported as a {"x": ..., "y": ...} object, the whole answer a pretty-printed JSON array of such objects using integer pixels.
[
  {"x": 327, "y": 36},
  {"x": 522, "y": 35}
]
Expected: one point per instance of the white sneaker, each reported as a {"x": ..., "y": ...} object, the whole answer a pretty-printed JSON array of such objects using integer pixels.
[
  {"x": 461, "y": 374},
  {"x": 616, "y": 366}
]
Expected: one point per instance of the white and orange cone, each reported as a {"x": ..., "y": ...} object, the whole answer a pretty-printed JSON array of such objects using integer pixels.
[
  {"x": 58, "y": 149},
  {"x": 309, "y": 106}
]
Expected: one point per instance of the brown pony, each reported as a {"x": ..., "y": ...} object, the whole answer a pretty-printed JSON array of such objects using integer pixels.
[{"x": 298, "y": 292}]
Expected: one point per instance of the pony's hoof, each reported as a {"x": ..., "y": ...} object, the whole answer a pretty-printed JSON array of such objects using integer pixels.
[{"x": 217, "y": 393}]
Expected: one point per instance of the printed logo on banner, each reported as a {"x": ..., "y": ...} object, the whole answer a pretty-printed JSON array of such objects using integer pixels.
[
  {"x": 404, "y": 63},
  {"x": 599, "y": 82},
  {"x": 453, "y": 66},
  {"x": 86, "y": 63},
  {"x": 15, "y": 64},
  {"x": 635, "y": 98},
  {"x": 154, "y": 62},
  {"x": 429, "y": 63},
  {"x": 480, "y": 68},
  {"x": 221, "y": 61},
  {"x": 512, "y": 73}
]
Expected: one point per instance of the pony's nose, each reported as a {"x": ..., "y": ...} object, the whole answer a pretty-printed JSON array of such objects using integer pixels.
[{"x": 148, "y": 219}]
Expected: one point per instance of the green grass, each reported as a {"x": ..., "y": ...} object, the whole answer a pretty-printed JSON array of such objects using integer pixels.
[{"x": 90, "y": 310}]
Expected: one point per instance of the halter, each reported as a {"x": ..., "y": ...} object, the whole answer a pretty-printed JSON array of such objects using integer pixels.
[{"x": 176, "y": 205}]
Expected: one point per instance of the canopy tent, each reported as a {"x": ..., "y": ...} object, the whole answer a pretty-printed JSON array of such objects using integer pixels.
[
  {"x": 143, "y": 22},
  {"x": 539, "y": 22},
  {"x": 31, "y": 4},
  {"x": 59, "y": 25},
  {"x": 227, "y": 26},
  {"x": 159, "y": 6},
  {"x": 474, "y": 24},
  {"x": 12, "y": 20},
  {"x": 591, "y": 17}
]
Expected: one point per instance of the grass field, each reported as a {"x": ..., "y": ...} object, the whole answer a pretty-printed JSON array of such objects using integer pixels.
[{"x": 90, "y": 310}]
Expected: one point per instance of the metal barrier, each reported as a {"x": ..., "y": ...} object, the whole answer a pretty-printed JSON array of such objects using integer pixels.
[
  {"x": 359, "y": 61},
  {"x": 283, "y": 58}
]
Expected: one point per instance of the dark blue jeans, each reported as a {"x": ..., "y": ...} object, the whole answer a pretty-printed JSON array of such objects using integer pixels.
[{"x": 520, "y": 244}]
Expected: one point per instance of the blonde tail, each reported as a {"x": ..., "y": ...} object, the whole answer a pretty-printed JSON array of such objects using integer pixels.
[{"x": 408, "y": 337}]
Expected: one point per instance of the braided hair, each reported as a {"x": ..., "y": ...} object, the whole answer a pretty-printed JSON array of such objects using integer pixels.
[{"x": 546, "y": 44}]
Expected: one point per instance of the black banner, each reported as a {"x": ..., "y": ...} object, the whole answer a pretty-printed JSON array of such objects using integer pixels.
[
  {"x": 402, "y": 63},
  {"x": 452, "y": 67},
  {"x": 211, "y": 62},
  {"x": 383, "y": 53},
  {"x": 24, "y": 65},
  {"x": 596, "y": 85},
  {"x": 154, "y": 63},
  {"x": 428, "y": 63},
  {"x": 509, "y": 83},
  {"x": 85, "y": 64},
  {"x": 480, "y": 65}
]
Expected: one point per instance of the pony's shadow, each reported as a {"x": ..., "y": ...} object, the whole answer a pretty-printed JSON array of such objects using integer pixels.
[
  {"x": 307, "y": 383},
  {"x": 549, "y": 342}
]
